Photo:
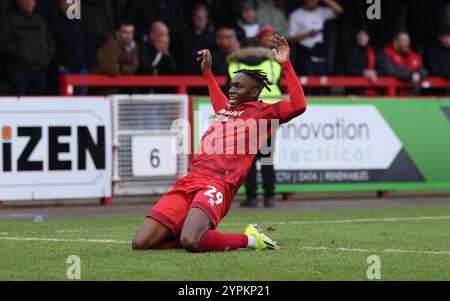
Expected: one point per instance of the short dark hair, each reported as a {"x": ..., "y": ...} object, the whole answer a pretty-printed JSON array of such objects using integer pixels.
[
  {"x": 259, "y": 76},
  {"x": 445, "y": 30},
  {"x": 125, "y": 22},
  {"x": 250, "y": 42},
  {"x": 398, "y": 33}
]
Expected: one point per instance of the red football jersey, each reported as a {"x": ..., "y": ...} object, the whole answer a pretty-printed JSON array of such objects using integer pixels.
[{"x": 230, "y": 144}]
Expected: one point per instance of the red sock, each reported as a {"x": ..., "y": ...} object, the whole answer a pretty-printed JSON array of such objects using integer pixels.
[
  {"x": 174, "y": 244},
  {"x": 217, "y": 241}
]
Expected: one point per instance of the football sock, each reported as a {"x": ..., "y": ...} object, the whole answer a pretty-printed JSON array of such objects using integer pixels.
[
  {"x": 173, "y": 244},
  {"x": 217, "y": 241},
  {"x": 251, "y": 242}
]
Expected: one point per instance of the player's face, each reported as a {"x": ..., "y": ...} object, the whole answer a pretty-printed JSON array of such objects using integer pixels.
[{"x": 242, "y": 89}]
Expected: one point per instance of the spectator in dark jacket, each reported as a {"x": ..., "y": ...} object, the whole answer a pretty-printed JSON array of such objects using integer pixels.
[
  {"x": 119, "y": 56},
  {"x": 154, "y": 54},
  {"x": 28, "y": 48},
  {"x": 399, "y": 60},
  {"x": 225, "y": 44},
  {"x": 438, "y": 62},
  {"x": 75, "y": 50},
  {"x": 189, "y": 41},
  {"x": 361, "y": 61}
]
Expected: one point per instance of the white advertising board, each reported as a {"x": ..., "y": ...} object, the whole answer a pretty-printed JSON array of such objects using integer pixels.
[{"x": 55, "y": 148}]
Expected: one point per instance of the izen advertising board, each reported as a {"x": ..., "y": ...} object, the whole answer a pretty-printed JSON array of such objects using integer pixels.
[{"x": 55, "y": 148}]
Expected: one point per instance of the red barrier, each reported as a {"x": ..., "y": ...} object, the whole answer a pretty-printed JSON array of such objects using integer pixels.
[{"x": 182, "y": 83}]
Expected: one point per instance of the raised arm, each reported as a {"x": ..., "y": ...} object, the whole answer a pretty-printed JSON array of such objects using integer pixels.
[
  {"x": 218, "y": 99},
  {"x": 335, "y": 7},
  {"x": 288, "y": 109}
]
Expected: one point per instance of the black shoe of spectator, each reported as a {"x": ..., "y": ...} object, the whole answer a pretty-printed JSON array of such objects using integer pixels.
[
  {"x": 269, "y": 203},
  {"x": 250, "y": 203}
]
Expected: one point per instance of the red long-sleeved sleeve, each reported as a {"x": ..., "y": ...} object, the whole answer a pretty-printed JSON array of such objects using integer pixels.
[
  {"x": 218, "y": 99},
  {"x": 297, "y": 106}
]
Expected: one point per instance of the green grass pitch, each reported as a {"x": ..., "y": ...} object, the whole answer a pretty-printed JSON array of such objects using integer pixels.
[{"x": 413, "y": 244}]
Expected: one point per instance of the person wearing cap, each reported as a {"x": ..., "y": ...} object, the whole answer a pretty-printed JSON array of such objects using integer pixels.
[
  {"x": 257, "y": 56},
  {"x": 264, "y": 36}
]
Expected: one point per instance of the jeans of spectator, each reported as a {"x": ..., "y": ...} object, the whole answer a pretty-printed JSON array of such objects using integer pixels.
[
  {"x": 79, "y": 90},
  {"x": 268, "y": 177},
  {"x": 317, "y": 69},
  {"x": 26, "y": 82}
]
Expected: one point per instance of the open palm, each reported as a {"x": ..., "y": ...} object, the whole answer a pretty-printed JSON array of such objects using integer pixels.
[{"x": 281, "y": 54}]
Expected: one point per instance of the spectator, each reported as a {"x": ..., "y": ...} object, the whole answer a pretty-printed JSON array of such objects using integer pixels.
[
  {"x": 6, "y": 7},
  {"x": 189, "y": 41},
  {"x": 119, "y": 56},
  {"x": 144, "y": 13},
  {"x": 269, "y": 14},
  {"x": 75, "y": 51},
  {"x": 154, "y": 54},
  {"x": 225, "y": 44},
  {"x": 253, "y": 56},
  {"x": 361, "y": 60},
  {"x": 99, "y": 17},
  {"x": 247, "y": 26},
  {"x": 28, "y": 48},
  {"x": 263, "y": 36},
  {"x": 306, "y": 29},
  {"x": 399, "y": 60},
  {"x": 439, "y": 56}
]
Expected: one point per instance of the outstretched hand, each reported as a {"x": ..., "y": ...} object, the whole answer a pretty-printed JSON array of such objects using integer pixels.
[
  {"x": 206, "y": 60},
  {"x": 283, "y": 52}
]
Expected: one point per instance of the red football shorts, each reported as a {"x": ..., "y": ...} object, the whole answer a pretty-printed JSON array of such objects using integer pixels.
[{"x": 194, "y": 190}]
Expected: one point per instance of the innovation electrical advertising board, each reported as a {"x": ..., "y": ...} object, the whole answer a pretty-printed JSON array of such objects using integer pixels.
[{"x": 341, "y": 144}]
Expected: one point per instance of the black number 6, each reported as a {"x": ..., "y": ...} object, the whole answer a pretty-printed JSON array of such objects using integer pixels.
[{"x": 154, "y": 159}]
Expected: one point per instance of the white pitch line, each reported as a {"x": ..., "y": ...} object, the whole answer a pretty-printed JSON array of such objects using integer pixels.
[
  {"x": 3, "y": 233},
  {"x": 338, "y": 221},
  {"x": 307, "y": 248},
  {"x": 88, "y": 230},
  {"x": 101, "y": 241},
  {"x": 357, "y": 220},
  {"x": 359, "y": 250}
]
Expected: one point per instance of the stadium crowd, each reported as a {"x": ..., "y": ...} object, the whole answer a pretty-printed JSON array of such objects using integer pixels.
[{"x": 38, "y": 42}]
